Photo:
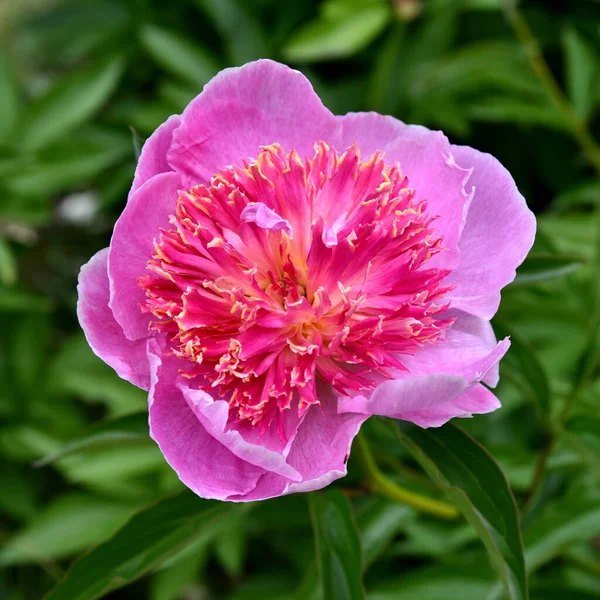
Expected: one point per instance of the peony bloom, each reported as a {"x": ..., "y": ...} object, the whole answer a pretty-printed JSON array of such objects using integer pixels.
[{"x": 280, "y": 274}]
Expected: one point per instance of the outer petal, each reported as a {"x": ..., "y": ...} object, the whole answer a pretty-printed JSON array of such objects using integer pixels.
[
  {"x": 244, "y": 108},
  {"x": 213, "y": 415},
  {"x": 322, "y": 447},
  {"x": 203, "y": 464},
  {"x": 475, "y": 401},
  {"x": 426, "y": 159},
  {"x": 131, "y": 246},
  {"x": 153, "y": 158},
  {"x": 437, "y": 374},
  {"x": 498, "y": 234},
  {"x": 103, "y": 333},
  {"x": 319, "y": 452}
]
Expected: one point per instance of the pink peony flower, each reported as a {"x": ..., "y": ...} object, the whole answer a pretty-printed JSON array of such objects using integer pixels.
[{"x": 280, "y": 274}]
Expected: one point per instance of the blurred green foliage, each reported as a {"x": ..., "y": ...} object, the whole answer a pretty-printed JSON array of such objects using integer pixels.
[{"x": 82, "y": 83}]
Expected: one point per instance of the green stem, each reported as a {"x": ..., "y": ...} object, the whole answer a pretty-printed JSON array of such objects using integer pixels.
[
  {"x": 540, "y": 67},
  {"x": 378, "y": 483},
  {"x": 591, "y": 150}
]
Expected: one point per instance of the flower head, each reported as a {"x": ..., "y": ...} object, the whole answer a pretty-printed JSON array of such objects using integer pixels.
[{"x": 280, "y": 274}]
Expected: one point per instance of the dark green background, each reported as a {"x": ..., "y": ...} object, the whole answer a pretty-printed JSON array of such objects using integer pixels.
[{"x": 83, "y": 83}]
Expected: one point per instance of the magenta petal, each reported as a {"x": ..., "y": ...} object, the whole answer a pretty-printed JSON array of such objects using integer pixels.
[
  {"x": 475, "y": 401},
  {"x": 319, "y": 453},
  {"x": 153, "y": 158},
  {"x": 213, "y": 415},
  {"x": 498, "y": 234},
  {"x": 469, "y": 340},
  {"x": 131, "y": 247},
  {"x": 322, "y": 446},
  {"x": 103, "y": 333},
  {"x": 437, "y": 374},
  {"x": 426, "y": 159},
  {"x": 202, "y": 463},
  {"x": 244, "y": 108},
  {"x": 263, "y": 216}
]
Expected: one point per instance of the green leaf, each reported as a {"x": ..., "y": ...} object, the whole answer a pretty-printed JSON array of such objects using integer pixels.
[
  {"x": 583, "y": 194},
  {"x": 71, "y": 102},
  {"x": 554, "y": 592},
  {"x": 573, "y": 519},
  {"x": 581, "y": 66},
  {"x": 14, "y": 300},
  {"x": 170, "y": 583},
  {"x": 475, "y": 483},
  {"x": 178, "y": 55},
  {"x": 516, "y": 110},
  {"x": 8, "y": 264},
  {"x": 231, "y": 545},
  {"x": 9, "y": 98},
  {"x": 540, "y": 267},
  {"x": 70, "y": 163},
  {"x": 523, "y": 365},
  {"x": 77, "y": 370},
  {"x": 587, "y": 428},
  {"x": 339, "y": 553},
  {"x": 435, "y": 583},
  {"x": 111, "y": 433},
  {"x": 64, "y": 527},
  {"x": 379, "y": 522},
  {"x": 151, "y": 536},
  {"x": 241, "y": 32},
  {"x": 339, "y": 37}
]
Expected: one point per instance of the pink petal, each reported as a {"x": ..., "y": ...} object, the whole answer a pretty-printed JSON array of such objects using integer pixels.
[
  {"x": 426, "y": 159},
  {"x": 213, "y": 415},
  {"x": 153, "y": 158},
  {"x": 477, "y": 400},
  {"x": 498, "y": 234},
  {"x": 202, "y": 463},
  {"x": 244, "y": 108},
  {"x": 319, "y": 452},
  {"x": 469, "y": 340},
  {"x": 263, "y": 216},
  {"x": 322, "y": 447},
  {"x": 131, "y": 247},
  {"x": 103, "y": 333},
  {"x": 438, "y": 373}
]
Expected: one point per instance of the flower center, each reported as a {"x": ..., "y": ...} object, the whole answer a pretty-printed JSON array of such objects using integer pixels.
[{"x": 285, "y": 271}]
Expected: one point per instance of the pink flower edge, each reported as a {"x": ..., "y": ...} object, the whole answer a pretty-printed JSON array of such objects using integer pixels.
[{"x": 481, "y": 214}]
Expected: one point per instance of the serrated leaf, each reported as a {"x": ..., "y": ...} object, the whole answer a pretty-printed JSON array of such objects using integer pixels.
[
  {"x": 339, "y": 553},
  {"x": 329, "y": 38},
  {"x": 475, "y": 483},
  {"x": 68, "y": 104},
  {"x": 178, "y": 55},
  {"x": 151, "y": 536}
]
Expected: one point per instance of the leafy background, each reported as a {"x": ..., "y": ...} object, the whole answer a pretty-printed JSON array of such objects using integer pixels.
[{"x": 82, "y": 83}]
